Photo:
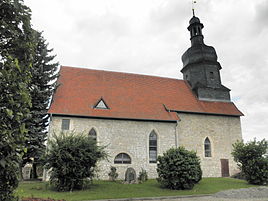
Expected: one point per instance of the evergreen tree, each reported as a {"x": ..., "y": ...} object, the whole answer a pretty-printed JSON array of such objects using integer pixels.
[
  {"x": 43, "y": 84},
  {"x": 16, "y": 57}
]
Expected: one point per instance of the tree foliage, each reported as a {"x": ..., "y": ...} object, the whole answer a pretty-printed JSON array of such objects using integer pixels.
[
  {"x": 72, "y": 158},
  {"x": 42, "y": 86},
  {"x": 179, "y": 168},
  {"x": 16, "y": 57},
  {"x": 252, "y": 161}
]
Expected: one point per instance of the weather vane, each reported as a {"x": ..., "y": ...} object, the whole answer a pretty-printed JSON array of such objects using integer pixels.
[{"x": 193, "y": 2}]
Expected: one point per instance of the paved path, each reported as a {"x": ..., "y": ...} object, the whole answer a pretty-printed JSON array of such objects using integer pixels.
[
  {"x": 189, "y": 198},
  {"x": 211, "y": 198},
  {"x": 244, "y": 194}
]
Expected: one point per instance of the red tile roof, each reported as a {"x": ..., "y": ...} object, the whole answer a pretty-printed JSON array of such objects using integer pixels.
[{"x": 128, "y": 96}]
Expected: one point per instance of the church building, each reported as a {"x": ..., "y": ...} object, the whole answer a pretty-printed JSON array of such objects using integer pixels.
[{"x": 138, "y": 117}]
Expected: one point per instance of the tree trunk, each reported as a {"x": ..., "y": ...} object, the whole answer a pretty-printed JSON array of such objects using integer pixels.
[
  {"x": 20, "y": 172},
  {"x": 34, "y": 171}
]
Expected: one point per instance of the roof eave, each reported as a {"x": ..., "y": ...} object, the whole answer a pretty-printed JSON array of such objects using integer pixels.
[
  {"x": 208, "y": 113},
  {"x": 112, "y": 118}
]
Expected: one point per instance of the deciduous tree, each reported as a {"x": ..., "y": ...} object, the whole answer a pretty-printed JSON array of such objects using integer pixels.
[
  {"x": 252, "y": 160},
  {"x": 16, "y": 57}
]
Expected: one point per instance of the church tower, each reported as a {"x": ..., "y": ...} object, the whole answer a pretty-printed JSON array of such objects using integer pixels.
[{"x": 201, "y": 68}]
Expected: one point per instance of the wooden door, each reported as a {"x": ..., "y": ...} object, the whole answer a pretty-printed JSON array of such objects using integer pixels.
[{"x": 225, "y": 168}]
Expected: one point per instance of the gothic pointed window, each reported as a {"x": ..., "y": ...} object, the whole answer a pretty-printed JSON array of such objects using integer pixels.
[
  {"x": 207, "y": 147},
  {"x": 101, "y": 104},
  {"x": 152, "y": 147},
  {"x": 93, "y": 134},
  {"x": 122, "y": 158}
]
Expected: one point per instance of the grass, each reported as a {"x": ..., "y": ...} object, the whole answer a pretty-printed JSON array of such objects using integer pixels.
[{"x": 112, "y": 190}]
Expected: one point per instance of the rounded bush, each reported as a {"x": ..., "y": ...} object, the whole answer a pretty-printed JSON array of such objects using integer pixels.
[
  {"x": 179, "y": 168},
  {"x": 72, "y": 159}
]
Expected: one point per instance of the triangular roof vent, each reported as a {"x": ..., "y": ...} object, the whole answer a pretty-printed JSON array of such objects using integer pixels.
[{"x": 101, "y": 105}]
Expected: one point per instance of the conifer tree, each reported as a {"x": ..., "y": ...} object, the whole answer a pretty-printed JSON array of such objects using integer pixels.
[
  {"x": 16, "y": 57},
  {"x": 43, "y": 84}
]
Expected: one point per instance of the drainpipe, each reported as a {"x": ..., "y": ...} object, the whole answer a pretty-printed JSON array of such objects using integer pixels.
[
  {"x": 177, "y": 124},
  {"x": 177, "y": 132}
]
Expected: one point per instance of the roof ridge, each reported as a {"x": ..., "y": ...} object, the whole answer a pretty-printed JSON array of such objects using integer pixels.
[{"x": 126, "y": 73}]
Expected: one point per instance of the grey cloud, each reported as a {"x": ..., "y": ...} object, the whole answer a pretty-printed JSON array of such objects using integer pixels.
[
  {"x": 105, "y": 24},
  {"x": 261, "y": 18},
  {"x": 169, "y": 15},
  {"x": 154, "y": 45}
]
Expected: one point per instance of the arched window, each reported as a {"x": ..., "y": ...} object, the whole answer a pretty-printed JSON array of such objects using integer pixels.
[
  {"x": 93, "y": 134},
  {"x": 207, "y": 147},
  {"x": 122, "y": 158},
  {"x": 199, "y": 31},
  {"x": 195, "y": 31},
  {"x": 152, "y": 147}
]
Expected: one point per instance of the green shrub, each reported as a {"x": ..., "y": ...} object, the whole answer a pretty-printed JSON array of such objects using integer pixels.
[
  {"x": 252, "y": 161},
  {"x": 9, "y": 181},
  {"x": 143, "y": 176},
  {"x": 72, "y": 158},
  {"x": 113, "y": 174},
  {"x": 179, "y": 168}
]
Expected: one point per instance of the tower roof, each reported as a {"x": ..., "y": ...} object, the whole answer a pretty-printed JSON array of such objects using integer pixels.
[
  {"x": 194, "y": 19},
  {"x": 198, "y": 52}
]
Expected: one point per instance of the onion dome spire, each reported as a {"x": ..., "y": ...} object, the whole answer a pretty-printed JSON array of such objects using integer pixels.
[
  {"x": 201, "y": 67},
  {"x": 195, "y": 29}
]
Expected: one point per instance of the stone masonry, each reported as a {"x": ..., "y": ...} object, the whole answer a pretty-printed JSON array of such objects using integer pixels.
[
  {"x": 222, "y": 131},
  {"x": 124, "y": 136},
  {"x": 132, "y": 138}
]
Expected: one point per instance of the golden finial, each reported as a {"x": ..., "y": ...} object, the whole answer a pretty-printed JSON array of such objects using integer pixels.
[{"x": 193, "y": 2}]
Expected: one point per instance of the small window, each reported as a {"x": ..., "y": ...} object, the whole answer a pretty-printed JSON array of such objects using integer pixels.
[
  {"x": 207, "y": 147},
  {"x": 101, "y": 105},
  {"x": 152, "y": 147},
  {"x": 93, "y": 134},
  {"x": 195, "y": 31},
  {"x": 122, "y": 158},
  {"x": 211, "y": 75},
  {"x": 65, "y": 124}
]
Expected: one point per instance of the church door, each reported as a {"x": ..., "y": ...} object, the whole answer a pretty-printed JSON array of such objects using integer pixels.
[{"x": 225, "y": 168}]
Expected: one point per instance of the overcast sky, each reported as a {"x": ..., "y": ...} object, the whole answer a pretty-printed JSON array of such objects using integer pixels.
[{"x": 150, "y": 36}]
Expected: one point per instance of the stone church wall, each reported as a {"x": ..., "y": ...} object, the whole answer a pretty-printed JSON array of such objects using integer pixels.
[
  {"x": 222, "y": 132},
  {"x": 132, "y": 138},
  {"x": 124, "y": 136}
]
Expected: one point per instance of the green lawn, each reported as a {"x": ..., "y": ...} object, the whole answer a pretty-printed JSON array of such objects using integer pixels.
[{"x": 109, "y": 190}]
